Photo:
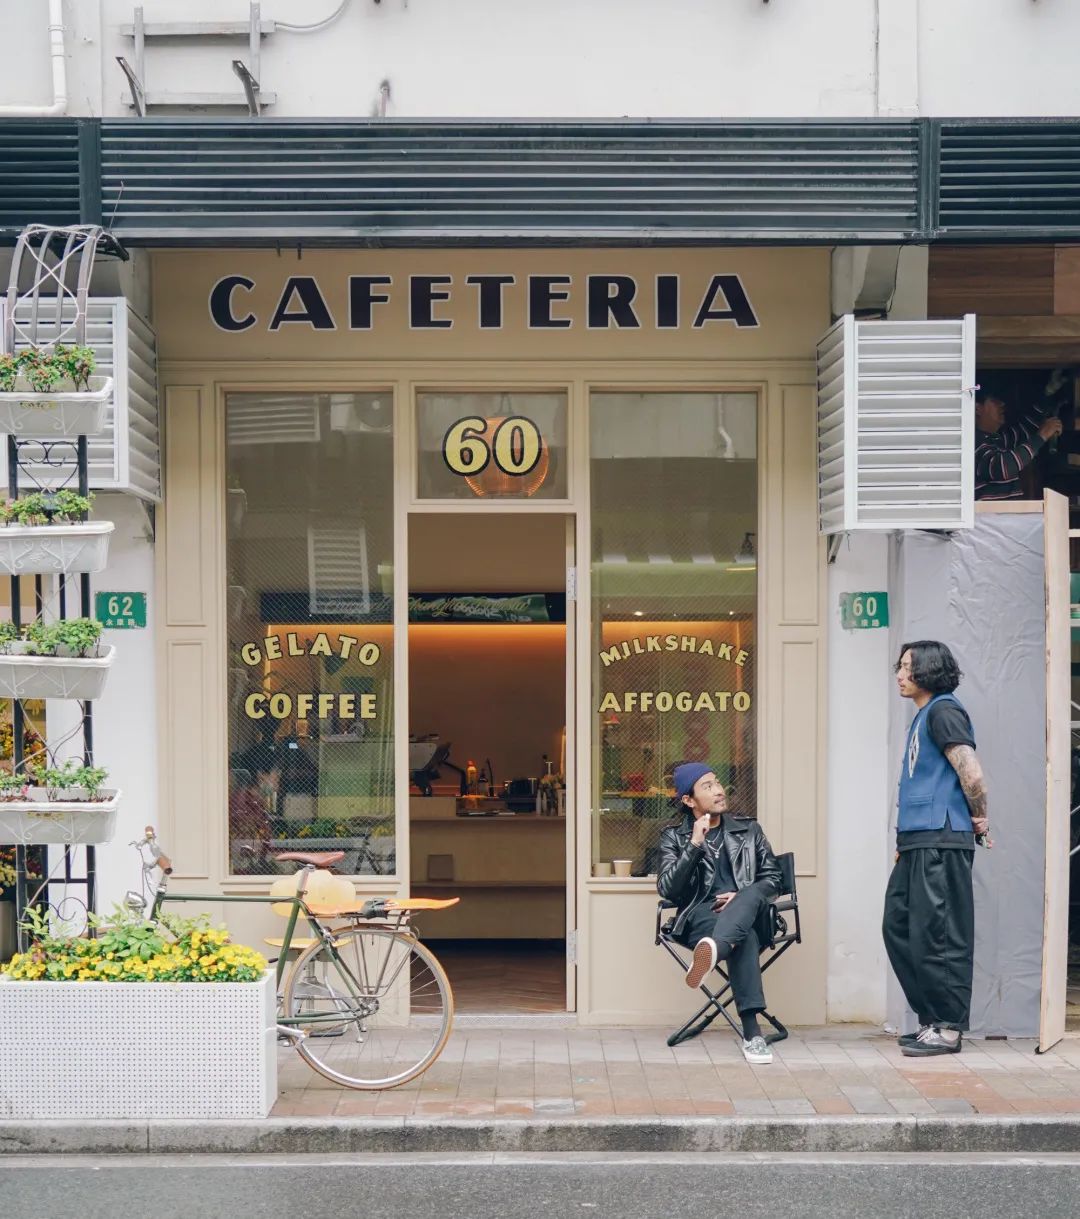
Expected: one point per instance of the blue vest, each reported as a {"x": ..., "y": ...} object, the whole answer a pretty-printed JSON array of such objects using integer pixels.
[{"x": 930, "y": 797}]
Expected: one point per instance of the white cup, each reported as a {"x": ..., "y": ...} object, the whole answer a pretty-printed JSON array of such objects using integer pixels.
[
  {"x": 622, "y": 866},
  {"x": 602, "y": 868}
]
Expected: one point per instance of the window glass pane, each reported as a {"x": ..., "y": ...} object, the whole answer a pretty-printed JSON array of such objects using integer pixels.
[
  {"x": 492, "y": 446},
  {"x": 310, "y": 593},
  {"x": 674, "y": 596}
]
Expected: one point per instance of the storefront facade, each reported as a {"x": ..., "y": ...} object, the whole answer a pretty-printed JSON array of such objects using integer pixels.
[{"x": 629, "y": 436}]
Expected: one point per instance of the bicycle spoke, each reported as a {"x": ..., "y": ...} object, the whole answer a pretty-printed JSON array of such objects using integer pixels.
[{"x": 376, "y": 1006}]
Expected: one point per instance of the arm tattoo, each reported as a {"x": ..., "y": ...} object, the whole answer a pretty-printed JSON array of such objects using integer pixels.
[{"x": 966, "y": 765}]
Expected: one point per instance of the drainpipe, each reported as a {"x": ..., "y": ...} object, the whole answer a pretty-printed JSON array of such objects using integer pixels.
[{"x": 59, "y": 70}]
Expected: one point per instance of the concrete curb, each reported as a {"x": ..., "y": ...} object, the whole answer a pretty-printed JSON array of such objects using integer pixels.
[{"x": 952, "y": 1134}]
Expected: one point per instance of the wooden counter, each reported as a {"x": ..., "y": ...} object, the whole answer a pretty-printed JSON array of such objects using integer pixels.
[{"x": 511, "y": 872}]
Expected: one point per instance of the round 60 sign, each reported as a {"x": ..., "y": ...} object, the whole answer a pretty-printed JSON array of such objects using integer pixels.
[{"x": 513, "y": 443}]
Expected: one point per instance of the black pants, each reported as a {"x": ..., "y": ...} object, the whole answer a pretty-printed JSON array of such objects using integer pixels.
[
  {"x": 929, "y": 931},
  {"x": 737, "y": 941}
]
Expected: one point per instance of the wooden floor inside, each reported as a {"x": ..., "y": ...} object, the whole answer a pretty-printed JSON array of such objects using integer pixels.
[{"x": 505, "y": 975}]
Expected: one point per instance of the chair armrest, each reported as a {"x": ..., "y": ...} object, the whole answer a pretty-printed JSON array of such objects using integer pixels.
[{"x": 789, "y": 904}]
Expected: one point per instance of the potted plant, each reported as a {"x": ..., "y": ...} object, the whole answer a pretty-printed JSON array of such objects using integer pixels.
[
  {"x": 62, "y": 804},
  {"x": 64, "y": 659},
  {"x": 52, "y": 393},
  {"x": 47, "y": 532},
  {"x": 168, "y": 1020}
]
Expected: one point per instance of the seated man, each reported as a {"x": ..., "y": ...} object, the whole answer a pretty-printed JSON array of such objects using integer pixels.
[{"x": 720, "y": 871}]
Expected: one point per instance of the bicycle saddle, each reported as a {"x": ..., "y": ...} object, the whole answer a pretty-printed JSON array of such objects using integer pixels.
[{"x": 320, "y": 859}]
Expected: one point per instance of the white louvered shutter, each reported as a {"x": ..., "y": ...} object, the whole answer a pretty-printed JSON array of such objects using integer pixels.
[
  {"x": 896, "y": 425},
  {"x": 338, "y": 569},
  {"x": 125, "y": 455},
  {"x": 272, "y": 419}
]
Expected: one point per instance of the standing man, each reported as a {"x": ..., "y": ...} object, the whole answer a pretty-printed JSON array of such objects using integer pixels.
[
  {"x": 1003, "y": 453},
  {"x": 929, "y": 923},
  {"x": 720, "y": 871}
]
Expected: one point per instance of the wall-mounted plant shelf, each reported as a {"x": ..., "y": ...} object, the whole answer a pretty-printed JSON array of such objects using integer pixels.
[
  {"x": 63, "y": 413},
  {"x": 58, "y": 822},
  {"x": 54, "y": 549},
  {"x": 24, "y": 675}
]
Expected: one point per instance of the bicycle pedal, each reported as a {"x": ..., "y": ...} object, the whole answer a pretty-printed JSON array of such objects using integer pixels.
[{"x": 287, "y": 1034}]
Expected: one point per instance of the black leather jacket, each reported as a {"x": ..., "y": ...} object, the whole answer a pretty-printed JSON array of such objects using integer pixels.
[{"x": 686, "y": 872}]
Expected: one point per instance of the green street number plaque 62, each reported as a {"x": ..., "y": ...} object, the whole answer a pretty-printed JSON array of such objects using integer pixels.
[{"x": 120, "y": 611}]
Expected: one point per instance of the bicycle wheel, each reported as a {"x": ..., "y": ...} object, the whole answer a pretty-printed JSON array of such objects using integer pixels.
[{"x": 376, "y": 1006}]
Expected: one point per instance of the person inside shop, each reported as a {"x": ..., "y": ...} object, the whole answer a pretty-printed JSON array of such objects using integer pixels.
[
  {"x": 1004, "y": 451},
  {"x": 252, "y": 802},
  {"x": 720, "y": 871},
  {"x": 929, "y": 920}
]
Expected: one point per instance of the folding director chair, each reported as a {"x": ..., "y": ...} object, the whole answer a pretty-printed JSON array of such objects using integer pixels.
[{"x": 778, "y": 928}]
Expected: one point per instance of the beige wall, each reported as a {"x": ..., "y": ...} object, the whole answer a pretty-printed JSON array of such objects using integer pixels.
[{"x": 621, "y": 976}]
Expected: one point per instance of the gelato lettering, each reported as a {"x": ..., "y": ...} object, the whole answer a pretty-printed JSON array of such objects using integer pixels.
[{"x": 317, "y": 704}]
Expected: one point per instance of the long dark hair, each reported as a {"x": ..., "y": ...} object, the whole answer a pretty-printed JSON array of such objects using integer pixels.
[{"x": 933, "y": 666}]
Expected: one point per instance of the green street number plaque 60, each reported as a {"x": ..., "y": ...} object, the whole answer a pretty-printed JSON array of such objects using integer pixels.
[
  {"x": 864, "y": 611},
  {"x": 120, "y": 611}
]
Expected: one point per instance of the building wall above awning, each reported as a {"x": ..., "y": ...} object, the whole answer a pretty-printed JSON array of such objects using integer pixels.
[{"x": 227, "y": 182}]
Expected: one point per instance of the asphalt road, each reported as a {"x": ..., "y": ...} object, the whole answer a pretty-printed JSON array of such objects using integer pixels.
[{"x": 493, "y": 1186}]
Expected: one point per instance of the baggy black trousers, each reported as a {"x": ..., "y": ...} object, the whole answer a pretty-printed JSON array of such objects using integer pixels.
[
  {"x": 929, "y": 932},
  {"x": 737, "y": 941}
]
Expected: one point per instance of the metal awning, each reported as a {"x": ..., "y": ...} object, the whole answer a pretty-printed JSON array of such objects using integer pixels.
[{"x": 404, "y": 182}]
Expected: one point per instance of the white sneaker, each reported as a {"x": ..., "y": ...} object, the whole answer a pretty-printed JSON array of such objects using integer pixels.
[
  {"x": 703, "y": 962},
  {"x": 757, "y": 1051}
]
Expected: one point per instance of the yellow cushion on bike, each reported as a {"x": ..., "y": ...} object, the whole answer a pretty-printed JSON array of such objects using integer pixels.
[{"x": 324, "y": 894}]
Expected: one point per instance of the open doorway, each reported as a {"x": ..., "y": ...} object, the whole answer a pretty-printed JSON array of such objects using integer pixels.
[{"x": 487, "y": 751}]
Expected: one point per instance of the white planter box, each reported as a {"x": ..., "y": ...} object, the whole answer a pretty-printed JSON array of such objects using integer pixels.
[
  {"x": 29, "y": 676},
  {"x": 58, "y": 414},
  {"x": 54, "y": 549},
  {"x": 58, "y": 822},
  {"x": 137, "y": 1050}
]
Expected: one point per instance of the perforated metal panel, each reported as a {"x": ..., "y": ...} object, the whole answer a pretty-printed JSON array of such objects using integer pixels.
[
  {"x": 896, "y": 427},
  {"x": 137, "y": 1050},
  {"x": 124, "y": 456}
]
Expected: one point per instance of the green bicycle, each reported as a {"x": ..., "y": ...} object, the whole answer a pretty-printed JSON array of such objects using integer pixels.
[{"x": 365, "y": 1004}]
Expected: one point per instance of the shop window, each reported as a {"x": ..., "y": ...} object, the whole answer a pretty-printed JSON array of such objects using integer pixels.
[
  {"x": 475, "y": 446},
  {"x": 674, "y": 608},
  {"x": 310, "y": 592}
]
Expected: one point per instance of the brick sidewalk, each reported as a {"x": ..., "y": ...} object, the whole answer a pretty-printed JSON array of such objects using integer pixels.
[{"x": 579, "y": 1072}]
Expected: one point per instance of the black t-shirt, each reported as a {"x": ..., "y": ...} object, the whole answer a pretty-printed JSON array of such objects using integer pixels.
[
  {"x": 724, "y": 879},
  {"x": 947, "y": 723}
]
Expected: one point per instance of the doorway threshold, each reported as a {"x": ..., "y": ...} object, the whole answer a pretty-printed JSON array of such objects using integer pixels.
[{"x": 515, "y": 1020}]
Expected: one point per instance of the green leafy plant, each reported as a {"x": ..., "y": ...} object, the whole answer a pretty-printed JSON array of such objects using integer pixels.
[
  {"x": 13, "y": 786},
  {"x": 80, "y": 636},
  {"x": 62, "y": 507},
  {"x": 40, "y": 368},
  {"x": 43, "y": 370},
  {"x": 9, "y": 632},
  {"x": 67, "y": 777},
  {"x": 38, "y": 635},
  {"x": 130, "y": 948},
  {"x": 78, "y": 363}
]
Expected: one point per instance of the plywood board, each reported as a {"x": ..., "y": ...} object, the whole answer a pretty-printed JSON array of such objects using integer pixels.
[
  {"x": 1058, "y": 715},
  {"x": 990, "y": 280}
]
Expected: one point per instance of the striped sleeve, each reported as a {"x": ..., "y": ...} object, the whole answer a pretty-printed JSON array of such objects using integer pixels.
[{"x": 996, "y": 462}]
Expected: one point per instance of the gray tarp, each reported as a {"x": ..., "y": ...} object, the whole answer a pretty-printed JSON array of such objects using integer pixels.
[{"x": 981, "y": 592}]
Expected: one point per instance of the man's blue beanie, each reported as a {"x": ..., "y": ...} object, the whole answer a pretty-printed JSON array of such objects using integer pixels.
[{"x": 686, "y": 775}]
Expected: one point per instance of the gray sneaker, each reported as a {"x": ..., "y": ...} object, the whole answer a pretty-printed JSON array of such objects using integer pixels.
[
  {"x": 908, "y": 1038},
  {"x": 757, "y": 1051},
  {"x": 932, "y": 1040}
]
